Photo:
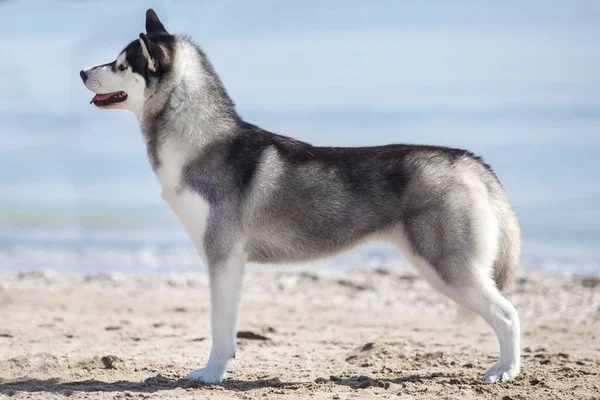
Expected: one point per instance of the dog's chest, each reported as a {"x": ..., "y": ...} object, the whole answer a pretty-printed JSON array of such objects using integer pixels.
[
  {"x": 189, "y": 206},
  {"x": 169, "y": 172}
]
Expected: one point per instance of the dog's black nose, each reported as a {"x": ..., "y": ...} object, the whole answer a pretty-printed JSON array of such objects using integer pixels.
[{"x": 83, "y": 75}]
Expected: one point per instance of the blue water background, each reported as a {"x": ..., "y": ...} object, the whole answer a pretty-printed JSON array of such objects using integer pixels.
[{"x": 516, "y": 82}]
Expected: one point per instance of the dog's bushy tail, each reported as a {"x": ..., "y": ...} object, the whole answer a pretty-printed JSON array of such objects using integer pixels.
[
  {"x": 504, "y": 269},
  {"x": 509, "y": 248}
]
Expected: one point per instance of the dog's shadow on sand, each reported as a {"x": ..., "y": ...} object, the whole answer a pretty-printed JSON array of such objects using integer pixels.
[
  {"x": 159, "y": 383},
  {"x": 150, "y": 385}
]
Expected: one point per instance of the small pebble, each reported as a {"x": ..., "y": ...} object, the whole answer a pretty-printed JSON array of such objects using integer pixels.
[
  {"x": 382, "y": 384},
  {"x": 367, "y": 346}
]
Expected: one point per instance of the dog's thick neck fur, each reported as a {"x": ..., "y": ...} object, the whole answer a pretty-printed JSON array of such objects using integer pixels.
[{"x": 191, "y": 104}]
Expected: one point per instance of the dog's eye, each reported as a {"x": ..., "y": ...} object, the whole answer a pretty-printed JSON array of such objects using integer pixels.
[{"x": 122, "y": 67}]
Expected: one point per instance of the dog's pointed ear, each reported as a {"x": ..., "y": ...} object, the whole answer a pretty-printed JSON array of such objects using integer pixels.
[
  {"x": 146, "y": 51},
  {"x": 153, "y": 24}
]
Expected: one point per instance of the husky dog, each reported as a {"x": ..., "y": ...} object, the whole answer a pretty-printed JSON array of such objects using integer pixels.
[{"x": 245, "y": 194}]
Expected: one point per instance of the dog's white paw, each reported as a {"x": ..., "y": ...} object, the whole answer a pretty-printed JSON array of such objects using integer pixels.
[
  {"x": 501, "y": 372},
  {"x": 206, "y": 375}
]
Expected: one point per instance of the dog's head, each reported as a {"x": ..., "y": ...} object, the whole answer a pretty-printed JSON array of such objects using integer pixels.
[{"x": 127, "y": 82}]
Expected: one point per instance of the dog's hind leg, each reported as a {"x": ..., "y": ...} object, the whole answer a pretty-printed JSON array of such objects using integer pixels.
[
  {"x": 465, "y": 240},
  {"x": 225, "y": 291},
  {"x": 504, "y": 319},
  {"x": 474, "y": 289},
  {"x": 482, "y": 296}
]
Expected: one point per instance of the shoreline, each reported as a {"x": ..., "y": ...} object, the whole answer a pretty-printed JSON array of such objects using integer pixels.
[
  {"x": 157, "y": 252},
  {"x": 353, "y": 333}
]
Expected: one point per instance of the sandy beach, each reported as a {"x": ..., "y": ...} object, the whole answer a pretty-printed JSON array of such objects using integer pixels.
[{"x": 304, "y": 333}]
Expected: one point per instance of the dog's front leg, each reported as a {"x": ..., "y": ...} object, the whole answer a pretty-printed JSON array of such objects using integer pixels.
[{"x": 225, "y": 291}]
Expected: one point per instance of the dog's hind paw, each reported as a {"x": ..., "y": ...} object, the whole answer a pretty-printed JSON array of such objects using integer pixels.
[
  {"x": 206, "y": 375},
  {"x": 501, "y": 372}
]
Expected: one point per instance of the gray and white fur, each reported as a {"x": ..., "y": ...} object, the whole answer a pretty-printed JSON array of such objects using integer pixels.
[{"x": 245, "y": 194}]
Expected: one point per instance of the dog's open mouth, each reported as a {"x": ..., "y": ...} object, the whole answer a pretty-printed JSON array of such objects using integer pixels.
[{"x": 108, "y": 98}]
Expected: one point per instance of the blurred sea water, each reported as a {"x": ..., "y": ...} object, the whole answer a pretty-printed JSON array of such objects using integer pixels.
[{"x": 515, "y": 82}]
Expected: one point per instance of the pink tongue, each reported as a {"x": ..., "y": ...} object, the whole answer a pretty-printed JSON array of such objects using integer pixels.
[{"x": 105, "y": 96}]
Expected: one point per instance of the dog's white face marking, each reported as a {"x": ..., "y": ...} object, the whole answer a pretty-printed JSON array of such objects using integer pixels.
[{"x": 116, "y": 86}]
